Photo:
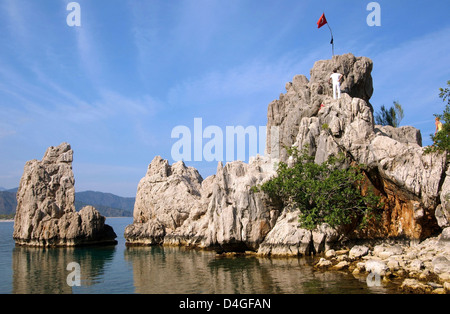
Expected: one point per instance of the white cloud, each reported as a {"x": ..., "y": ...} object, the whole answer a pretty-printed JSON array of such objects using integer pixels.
[{"x": 412, "y": 73}]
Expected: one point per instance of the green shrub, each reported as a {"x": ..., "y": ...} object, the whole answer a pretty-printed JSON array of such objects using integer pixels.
[
  {"x": 324, "y": 193},
  {"x": 441, "y": 140}
]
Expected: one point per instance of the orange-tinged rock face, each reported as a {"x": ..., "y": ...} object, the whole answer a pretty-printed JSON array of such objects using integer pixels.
[{"x": 402, "y": 216}]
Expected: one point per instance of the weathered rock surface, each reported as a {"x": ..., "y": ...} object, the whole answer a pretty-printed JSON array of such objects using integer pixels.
[
  {"x": 174, "y": 206},
  {"x": 46, "y": 215},
  {"x": 409, "y": 181},
  {"x": 416, "y": 267}
]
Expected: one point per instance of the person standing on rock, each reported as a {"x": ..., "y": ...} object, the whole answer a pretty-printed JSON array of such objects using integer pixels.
[
  {"x": 438, "y": 125},
  {"x": 336, "y": 79}
]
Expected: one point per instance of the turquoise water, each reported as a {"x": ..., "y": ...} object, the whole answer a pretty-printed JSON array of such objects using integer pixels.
[{"x": 157, "y": 270}]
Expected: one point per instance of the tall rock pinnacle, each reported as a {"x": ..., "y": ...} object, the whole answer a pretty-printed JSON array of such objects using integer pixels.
[{"x": 46, "y": 215}]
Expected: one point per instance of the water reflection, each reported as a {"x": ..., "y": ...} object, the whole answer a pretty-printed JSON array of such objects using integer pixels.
[
  {"x": 39, "y": 270},
  {"x": 177, "y": 270}
]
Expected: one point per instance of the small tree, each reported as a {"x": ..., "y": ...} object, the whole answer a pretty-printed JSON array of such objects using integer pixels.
[
  {"x": 392, "y": 116},
  {"x": 325, "y": 193},
  {"x": 441, "y": 140}
]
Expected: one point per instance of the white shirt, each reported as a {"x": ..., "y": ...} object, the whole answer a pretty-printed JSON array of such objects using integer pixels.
[{"x": 335, "y": 77}]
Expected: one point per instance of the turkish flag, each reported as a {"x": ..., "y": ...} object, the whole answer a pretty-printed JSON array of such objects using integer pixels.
[{"x": 322, "y": 21}]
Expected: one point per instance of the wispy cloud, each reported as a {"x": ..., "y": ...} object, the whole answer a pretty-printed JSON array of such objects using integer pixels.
[
  {"x": 412, "y": 73},
  {"x": 243, "y": 80}
]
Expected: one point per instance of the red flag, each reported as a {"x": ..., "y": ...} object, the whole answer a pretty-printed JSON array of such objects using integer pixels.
[{"x": 322, "y": 21}]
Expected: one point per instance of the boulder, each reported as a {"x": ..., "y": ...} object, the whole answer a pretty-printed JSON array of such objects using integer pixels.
[
  {"x": 403, "y": 134},
  {"x": 376, "y": 267},
  {"x": 444, "y": 238},
  {"x": 384, "y": 251},
  {"x": 287, "y": 238},
  {"x": 46, "y": 215},
  {"x": 415, "y": 286},
  {"x": 358, "y": 251},
  {"x": 441, "y": 265}
]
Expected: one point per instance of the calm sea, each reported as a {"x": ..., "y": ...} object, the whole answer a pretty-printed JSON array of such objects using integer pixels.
[{"x": 157, "y": 270}]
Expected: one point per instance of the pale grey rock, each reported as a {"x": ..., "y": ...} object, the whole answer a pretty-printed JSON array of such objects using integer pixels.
[
  {"x": 46, "y": 215},
  {"x": 416, "y": 265},
  {"x": 415, "y": 286},
  {"x": 444, "y": 238},
  {"x": 341, "y": 265},
  {"x": 393, "y": 264},
  {"x": 287, "y": 237},
  {"x": 403, "y": 134},
  {"x": 442, "y": 216},
  {"x": 376, "y": 266},
  {"x": 358, "y": 251},
  {"x": 166, "y": 196},
  {"x": 238, "y": 218},
  {"x": 324, "y": 237},
  {"x": 175, "y": 206},
  {"x": 443, "y": 210},
  {"x": 330, "y": 253},
  {"x": 323, "y": 262},
  {"x": 441, "y": 264},
  {"x": 385, "y": 251}
]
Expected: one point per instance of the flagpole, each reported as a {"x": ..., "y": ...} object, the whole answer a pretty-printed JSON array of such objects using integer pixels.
[{"x": 332, "y": 39}]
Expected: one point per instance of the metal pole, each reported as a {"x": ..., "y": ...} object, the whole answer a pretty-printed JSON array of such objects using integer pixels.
[{"x": 332, "y": 39}]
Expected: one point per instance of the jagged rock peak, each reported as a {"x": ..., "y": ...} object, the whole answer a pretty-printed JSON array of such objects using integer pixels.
[
  {"x": 409, "y": 180},
  {"x": 45, "y": 214},
  {"x": 306, "y": 99}
]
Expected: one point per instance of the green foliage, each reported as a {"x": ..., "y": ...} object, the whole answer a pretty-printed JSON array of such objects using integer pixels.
[
  {"x": 441, "y": 140},
  {"x": 7, "y": 217},
  {"x": 392, "y": 116},
  {"x": 325, "y": 193}
]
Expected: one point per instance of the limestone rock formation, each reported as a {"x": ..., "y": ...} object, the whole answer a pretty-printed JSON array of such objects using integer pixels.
[
  {"x": 46, "y": 215},
  {"x": 165, "y": 198},
  {"x": 175, "y": 206},
  {"x": 409, "y": 181}
]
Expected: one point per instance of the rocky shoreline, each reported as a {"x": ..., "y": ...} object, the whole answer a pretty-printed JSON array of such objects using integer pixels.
[{"x": 420, "y": 267}]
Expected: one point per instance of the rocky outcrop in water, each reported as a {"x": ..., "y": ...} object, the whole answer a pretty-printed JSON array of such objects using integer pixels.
[
  {"x": 409, "y": 181},
  {"x": 175, "y": 206},
  {"x": 46, "y": 215}
]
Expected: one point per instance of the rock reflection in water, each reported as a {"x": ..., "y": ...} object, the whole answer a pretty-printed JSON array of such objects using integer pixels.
[
  {"x": 44, "y": 271},
  {"x": 177, "y": 270}
]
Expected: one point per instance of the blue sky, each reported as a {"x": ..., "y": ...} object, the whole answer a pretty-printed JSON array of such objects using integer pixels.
[{"x": 115, "y": 87}]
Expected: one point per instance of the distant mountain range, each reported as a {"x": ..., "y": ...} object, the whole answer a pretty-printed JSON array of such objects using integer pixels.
[{"x": 109, "y": 205}]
